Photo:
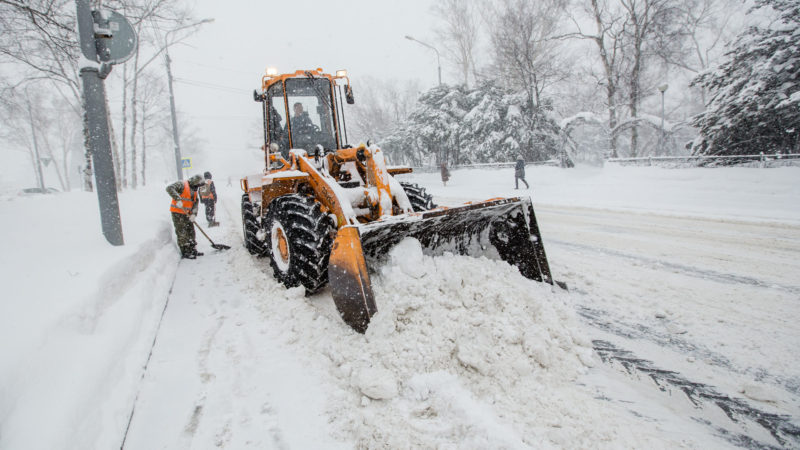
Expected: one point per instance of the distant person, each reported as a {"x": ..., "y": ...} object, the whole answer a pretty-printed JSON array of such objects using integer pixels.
[
  {"x": 230, "y": 181},
  {"x": 445, "y": 173},
  {"x": 184, "y": 210},
  {"x": 519, "y": 173},
  {"x": 208, "y": 195}
]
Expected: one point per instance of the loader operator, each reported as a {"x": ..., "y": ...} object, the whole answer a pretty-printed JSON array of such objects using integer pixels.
[
  {"x": 301, "y": 122},
  {"x": 184, "y": 209}
]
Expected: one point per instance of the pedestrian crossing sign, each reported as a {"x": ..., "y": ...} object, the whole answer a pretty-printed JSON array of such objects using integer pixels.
[{"x": 186, "y": 163}]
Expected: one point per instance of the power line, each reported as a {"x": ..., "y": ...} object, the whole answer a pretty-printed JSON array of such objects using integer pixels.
[
  {"x": 211, "y": 117},
  {"x": 184, "y": 61}
]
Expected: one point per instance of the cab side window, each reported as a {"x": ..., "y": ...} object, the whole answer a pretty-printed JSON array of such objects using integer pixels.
[{"x": 277, "y": 118}]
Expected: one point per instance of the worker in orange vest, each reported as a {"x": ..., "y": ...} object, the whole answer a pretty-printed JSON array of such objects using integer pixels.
[
  {"x": 184, "y": 210},
  {"x": 208, "y": 195}
]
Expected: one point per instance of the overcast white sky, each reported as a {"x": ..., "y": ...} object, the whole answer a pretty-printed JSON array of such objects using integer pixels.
[{"x": 366, "y": 37}]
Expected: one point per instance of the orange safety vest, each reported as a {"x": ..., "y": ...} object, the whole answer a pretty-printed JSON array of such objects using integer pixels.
[
  {"x": 187, "y": 197},
  {"x": 207, "y": 194}
]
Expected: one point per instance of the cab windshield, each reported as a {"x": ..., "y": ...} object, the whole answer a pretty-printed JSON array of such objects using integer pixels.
[{"x": 310, "y": 113}]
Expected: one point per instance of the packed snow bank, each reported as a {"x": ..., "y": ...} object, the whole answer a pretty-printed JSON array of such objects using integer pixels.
[
  {"x": 742, "y": 193},
  {"x": 81, "y": 315}
]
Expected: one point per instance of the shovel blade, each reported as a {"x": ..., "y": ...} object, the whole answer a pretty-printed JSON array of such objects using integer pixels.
[
  {"x": 220, "y": 246},
  {"x": 349, "y": 280},
  {"x": 501, "y": 229}
]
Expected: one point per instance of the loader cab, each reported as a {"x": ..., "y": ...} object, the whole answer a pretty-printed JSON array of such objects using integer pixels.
[{"x": 299, "y": 113}]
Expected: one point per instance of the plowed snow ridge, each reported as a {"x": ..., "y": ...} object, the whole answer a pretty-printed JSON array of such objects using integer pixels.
[{"x": 462, "y": 350}]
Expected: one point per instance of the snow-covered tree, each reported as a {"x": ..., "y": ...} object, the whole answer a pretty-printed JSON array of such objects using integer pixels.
[
  {"x": 755, "y": 94},
  {"x": 485, "y": 124}
]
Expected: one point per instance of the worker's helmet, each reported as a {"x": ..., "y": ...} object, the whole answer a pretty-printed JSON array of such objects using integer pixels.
[
  {"x": 196, "y": 180},
  {"x": 207, "y": 175}
]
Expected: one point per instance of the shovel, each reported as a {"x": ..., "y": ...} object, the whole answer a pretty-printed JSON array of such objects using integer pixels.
[{"x": 216, "y": 246}]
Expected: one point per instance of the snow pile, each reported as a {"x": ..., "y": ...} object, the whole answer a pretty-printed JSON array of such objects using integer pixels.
[
  {"x": 78, "y": 316},
  {"x": 465, "y": 350}
]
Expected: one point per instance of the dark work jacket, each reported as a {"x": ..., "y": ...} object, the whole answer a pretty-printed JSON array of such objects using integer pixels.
[{"x": 519, "y": 169}]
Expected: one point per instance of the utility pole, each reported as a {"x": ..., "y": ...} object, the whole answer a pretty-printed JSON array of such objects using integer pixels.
[
  {"x": 168, "y": 61},
  {"x": 38, "y": 161},
  {"x": 175, "y": 138}
]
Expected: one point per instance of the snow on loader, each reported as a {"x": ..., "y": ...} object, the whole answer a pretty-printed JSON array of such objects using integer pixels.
[{"x": 320, "y": 209}]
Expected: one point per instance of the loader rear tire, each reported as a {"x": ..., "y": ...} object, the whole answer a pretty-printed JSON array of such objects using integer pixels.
[
  {"x": 250, "y": 227},
  {"x": 298, "y": 241},
  {"x": 419, "y": 198}
]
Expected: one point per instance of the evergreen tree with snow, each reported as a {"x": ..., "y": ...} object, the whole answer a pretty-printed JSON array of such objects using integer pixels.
[
  {"x": 466, "y": 126},
  {"x": 483, "y": 130},
  {"x": 755, "y": 94}
]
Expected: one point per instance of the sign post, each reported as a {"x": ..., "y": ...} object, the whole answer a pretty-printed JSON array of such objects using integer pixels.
[
  {"x": 186, "y": 164},
  {"x": 106, "y": 38}
]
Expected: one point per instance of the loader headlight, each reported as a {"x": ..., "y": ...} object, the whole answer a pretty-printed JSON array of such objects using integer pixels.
[
  {"x": 341, "y": 73},
  {"x": 272, "y": 71}
]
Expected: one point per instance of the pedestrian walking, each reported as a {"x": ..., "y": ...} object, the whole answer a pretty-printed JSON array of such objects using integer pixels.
[
  {"x": 184, "y": 210},
  {"x": 208, "y": 195},
  {"x": 445, "y": 173},
  {"x": 519, "y": 173}
]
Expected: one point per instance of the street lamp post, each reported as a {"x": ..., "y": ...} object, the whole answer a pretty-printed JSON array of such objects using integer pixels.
[
  {"x": 438, "y": 60},
  {"x": 662, "y": 88},
  {"x": 175, "y": 139}
]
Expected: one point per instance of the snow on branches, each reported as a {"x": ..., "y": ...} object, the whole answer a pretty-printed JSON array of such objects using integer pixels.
[
  {"x": 457, "y": 125},
  {"x": 755, "y": 103}
]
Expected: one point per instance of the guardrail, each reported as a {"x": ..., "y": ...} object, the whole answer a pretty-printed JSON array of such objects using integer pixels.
[
  {"x": 495, "y": 165},
  {"x": 761, "y": 160}
]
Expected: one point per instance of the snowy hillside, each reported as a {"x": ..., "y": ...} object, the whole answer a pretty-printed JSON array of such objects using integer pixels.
[{"x": 678, "y": 329}]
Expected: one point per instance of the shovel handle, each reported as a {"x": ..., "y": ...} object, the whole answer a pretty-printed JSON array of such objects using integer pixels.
[{"x": 204, "y": 233}]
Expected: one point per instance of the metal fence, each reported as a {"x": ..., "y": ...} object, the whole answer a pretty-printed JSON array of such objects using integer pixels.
[
  {"x": 495, "y": 165},
  {"x": 762, "y": 160}
]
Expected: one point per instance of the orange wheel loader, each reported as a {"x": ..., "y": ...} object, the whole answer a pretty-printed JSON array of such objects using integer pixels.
[{"x": 321, "y": 208}]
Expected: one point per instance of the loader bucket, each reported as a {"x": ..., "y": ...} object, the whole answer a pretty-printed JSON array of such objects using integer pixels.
[
  {"x": 349, "y": 280},
  {"x": 503, "y": 228}
]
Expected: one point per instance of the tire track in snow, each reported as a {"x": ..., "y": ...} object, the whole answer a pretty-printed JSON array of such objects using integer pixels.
[
  {"x": 745, "y": 258},
  {"x": 602, "y": 320},
  {"x": 684, "y": 269},
  {"x": 605, "y": 321},
  {"x": 779, "y": 426}
]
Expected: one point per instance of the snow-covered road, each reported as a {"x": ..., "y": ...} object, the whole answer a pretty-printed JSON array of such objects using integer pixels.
[
  {"x": 729, "y": 287},
  {"x": 714, "y": 300},
  {"x": 242, "y": 362}
]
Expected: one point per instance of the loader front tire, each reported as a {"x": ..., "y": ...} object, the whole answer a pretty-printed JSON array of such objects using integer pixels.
[
  {"x": 298, "y": 241},
  {"x": 419, "y": 198},
  {"x": 250, "y": 226}
]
